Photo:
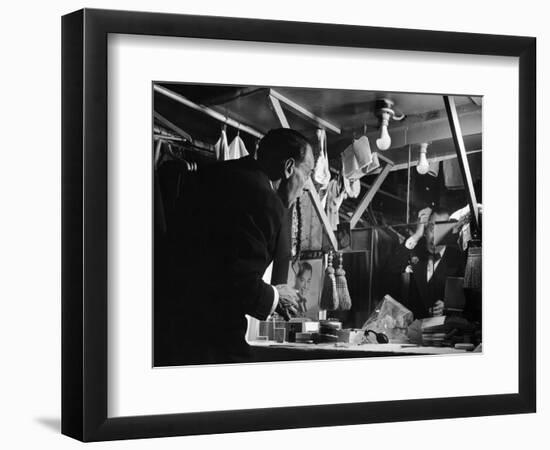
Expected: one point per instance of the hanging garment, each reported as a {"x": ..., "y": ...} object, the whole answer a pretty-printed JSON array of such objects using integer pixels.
[
  {"x": 335, "y": 196},
  {"x": 351, "y": 173},
  {"x": 352, "y": 187},
  {"x": 321, "y": 172},
  {"x": 237, "y": 149},
  {"x": 221, "y": 148},
  {"x": 433, "y": 169}
]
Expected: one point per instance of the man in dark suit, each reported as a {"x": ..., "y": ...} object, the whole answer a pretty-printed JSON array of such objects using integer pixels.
[
  {"x": 227, "y": 230},
  {"x": 432, "y": 264}
]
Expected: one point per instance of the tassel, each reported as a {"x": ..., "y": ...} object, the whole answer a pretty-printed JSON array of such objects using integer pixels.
[
  {"x": 329, "y": 296},
  {"x": 472, "y": 271},
  {"x": 342, "y": 287}
]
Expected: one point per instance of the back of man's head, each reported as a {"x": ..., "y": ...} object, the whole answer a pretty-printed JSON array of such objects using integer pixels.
[{"x": 277, "y": 146}]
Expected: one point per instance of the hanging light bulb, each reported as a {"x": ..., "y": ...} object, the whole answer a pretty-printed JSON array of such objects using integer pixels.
[
  {"x": 386, "y": 112},
  {"x": 384, "y": 142},
  {"x": 423, "y": 166}
]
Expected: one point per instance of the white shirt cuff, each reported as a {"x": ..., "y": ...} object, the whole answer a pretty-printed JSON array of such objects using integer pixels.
[{"x": 275, "y": 300}]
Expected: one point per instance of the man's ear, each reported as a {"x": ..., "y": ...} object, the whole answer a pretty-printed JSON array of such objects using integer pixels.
[{"x": 290, "y": 165}]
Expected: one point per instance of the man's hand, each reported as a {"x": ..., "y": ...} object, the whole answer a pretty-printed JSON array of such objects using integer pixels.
[
  {"x": 288, "y": 301},
  {"x": 424, "y": 215},
  {"x": 438, "y": 308}
]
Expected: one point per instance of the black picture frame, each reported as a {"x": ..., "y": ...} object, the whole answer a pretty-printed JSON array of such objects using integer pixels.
[{"x": 84, "y": 224}]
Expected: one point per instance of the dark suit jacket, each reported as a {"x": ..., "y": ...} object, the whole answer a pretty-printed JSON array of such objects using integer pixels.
[
  {"x": 424, "y": 294},
  {"x": 224, "y": 238}
]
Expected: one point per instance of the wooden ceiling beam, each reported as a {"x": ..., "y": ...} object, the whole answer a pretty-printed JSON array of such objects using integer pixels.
[
  {"x": 304, "y": 113},
  {"x": 279, "y": 111},
  {"x": 365, "y": 201}
]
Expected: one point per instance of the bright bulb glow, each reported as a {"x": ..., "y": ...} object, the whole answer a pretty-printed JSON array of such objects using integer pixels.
[
  {"x": 384, "y": 142},
  {"x": 423, "y": 165}
]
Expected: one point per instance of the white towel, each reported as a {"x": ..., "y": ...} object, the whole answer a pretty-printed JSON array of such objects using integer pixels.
[
  {"x": 352, "y": 187},
  {"x": 321, "y": 172},
  {"x": 221, "y": 148},
  {"x": 237, "y": 149}
]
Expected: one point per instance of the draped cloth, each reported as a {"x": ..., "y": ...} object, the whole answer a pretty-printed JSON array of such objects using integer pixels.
[
  {"x": 237, "y": 149},
  {"x": 222, "y": 148},
  {"x": 321, "y": 172}
]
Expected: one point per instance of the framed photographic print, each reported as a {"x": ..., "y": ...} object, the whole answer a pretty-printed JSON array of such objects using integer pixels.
[{"x": 252, "y": 203}]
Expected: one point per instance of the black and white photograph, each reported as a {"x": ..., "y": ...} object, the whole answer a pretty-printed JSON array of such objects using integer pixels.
[
  {"x": 297, "y": 223},
  {"x": 255, "y": 225}
]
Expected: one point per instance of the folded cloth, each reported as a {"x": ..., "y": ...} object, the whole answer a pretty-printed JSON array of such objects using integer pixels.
[
  {"x": 321, "y": 172},
  {"x": 237, "y": 149},
  {"x": 433, "y": 169},
  {"x": 221, "y": 148}
]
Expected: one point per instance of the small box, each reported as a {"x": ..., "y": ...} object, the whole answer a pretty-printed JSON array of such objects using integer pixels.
[
  {"x": 280, "y": 334},
  {"x": 302, "y": 326},
  {"x": 267, "y": 328},
  {"x": 304, "y": 338},
  {"x": 310, "y": 327},
  {"x": 350, "y": 336}
]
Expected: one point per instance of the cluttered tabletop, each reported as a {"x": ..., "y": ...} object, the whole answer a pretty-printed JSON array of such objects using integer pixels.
[
  {"x": 365, "y": 348},
  {"x": 300, "y": 338}
]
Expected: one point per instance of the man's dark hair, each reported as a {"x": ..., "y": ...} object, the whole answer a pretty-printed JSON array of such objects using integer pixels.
[
  {"x": 440, "y": 210},
  {"x": 277, "y": 146},
  {"x": 304, "y": 267}
]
